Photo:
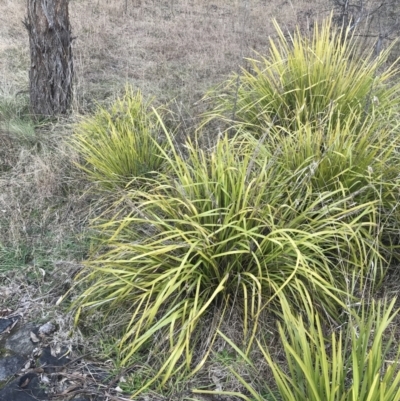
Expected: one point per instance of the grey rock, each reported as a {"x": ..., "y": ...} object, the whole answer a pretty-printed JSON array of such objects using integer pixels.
[
  {"x": 47, "y": 329},
  {"x": 10, "y": 365},
  {"x": 19, "y": 341},
  {"x": 5, "y": 323},
  {"x": 26, "y": 388},
  {"x": 16, "y": 349}
]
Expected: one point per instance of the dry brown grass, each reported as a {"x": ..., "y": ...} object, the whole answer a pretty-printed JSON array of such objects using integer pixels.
[{"x": 170, "y": 49}]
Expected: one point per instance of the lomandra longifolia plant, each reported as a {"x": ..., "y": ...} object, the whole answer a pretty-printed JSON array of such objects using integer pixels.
[
  {"x": 359, "y": 361},
  {"x": 221, "y": 231},
  {"x": 302, "y": 79}
]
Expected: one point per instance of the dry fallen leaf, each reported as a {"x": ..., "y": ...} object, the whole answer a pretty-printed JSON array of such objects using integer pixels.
[
  {"x": 25, "y": 382},
  {"x": 29, "y": 364},
  {"x": 44, "y": 379},
  {"x": 69, "y": 389},
  {"x": 55, "y": 349},
  {"x": 34, "y": 338},
  {"x": 5, "y": 312},
  {"x": 36, "y": 352}
]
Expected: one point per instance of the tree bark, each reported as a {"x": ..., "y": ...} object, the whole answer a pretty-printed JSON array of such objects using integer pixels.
[{"x": 51, "y": 69}]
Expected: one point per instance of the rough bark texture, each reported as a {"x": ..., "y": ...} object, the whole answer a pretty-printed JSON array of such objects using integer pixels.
[{"x": 51, "y": 67}]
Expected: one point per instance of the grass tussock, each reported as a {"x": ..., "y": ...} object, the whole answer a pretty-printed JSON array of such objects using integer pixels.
[
  {"x": 222, "y": 233},
  {"x": 119, "y": 146},
  {"x": 304, "y": 79},
  {"x": 357, "y": 362}
]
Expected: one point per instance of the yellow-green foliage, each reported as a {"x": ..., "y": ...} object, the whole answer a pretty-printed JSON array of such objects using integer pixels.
[
  {"x": 118, "y": 146},
  {"x": 351, "y": 365},
  {"x": 349, "y": 159},
  {"x": 292, "y": 215},
  {"x": 304, "y": 79},
  {"x": 223, "y": 231},
  {"x": 329, "y": 114}
]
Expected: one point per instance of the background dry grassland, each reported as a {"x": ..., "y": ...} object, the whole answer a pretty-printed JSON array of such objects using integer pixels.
[{"x": 173, "y": 50}]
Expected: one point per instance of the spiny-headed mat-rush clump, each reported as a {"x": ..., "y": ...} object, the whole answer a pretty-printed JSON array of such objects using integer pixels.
[{"x": 298, "y": 207}]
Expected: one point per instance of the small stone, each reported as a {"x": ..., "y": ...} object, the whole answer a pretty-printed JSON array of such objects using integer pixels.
[
  {"x": 50, "y": 363},
  {"x": 47, "y": 329}
]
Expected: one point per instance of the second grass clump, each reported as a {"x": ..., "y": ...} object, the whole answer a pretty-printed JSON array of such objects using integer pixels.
[
  {"x": 118, "y": 145},
  {"x": 303, "y": 79}
]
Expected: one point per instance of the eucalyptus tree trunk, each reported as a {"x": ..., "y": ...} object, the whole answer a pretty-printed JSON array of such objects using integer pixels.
[{"x": 51, "y": 68}]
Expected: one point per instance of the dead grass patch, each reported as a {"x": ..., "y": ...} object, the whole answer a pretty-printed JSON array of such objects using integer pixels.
[{"x": 173, "y": 49}]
